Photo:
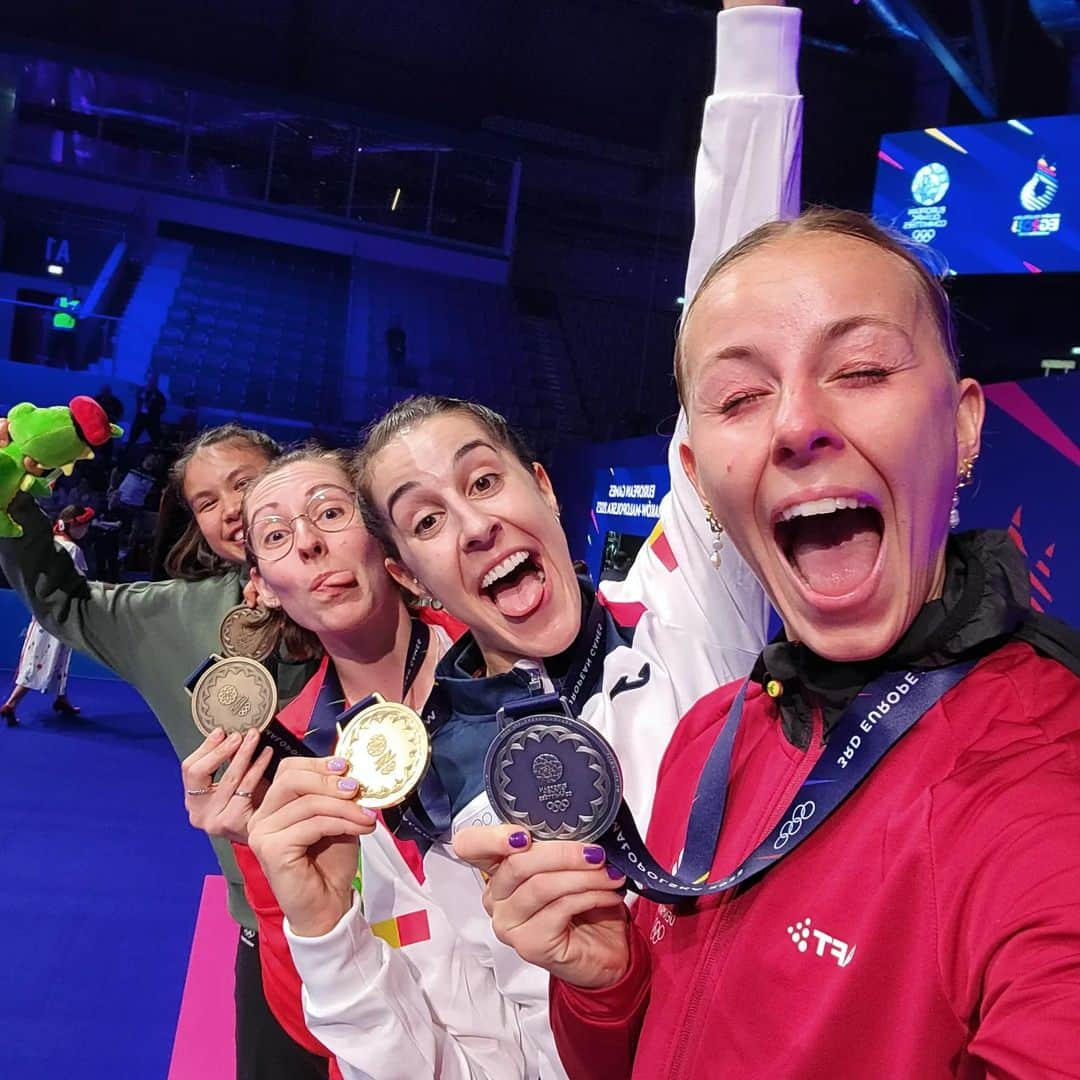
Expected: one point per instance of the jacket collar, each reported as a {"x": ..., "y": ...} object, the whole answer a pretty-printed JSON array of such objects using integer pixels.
[
  {"x": 985, "y": 601},
  {"x": 461, "y": 688}
]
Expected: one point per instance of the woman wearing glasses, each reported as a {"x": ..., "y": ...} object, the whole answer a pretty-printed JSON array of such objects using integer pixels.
[
  {"x": 153, "y": 634},
  {"x": 320, "y": 576}
]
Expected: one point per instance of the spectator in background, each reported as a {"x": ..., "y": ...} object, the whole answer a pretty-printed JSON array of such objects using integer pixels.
[
  {"x": 113, "y": 406},
  {"x": 150, "y": 404},
  {"x": 130, "y": 494},
  {"x": 137, "y": 484},
  {"x": 114, "y": 410},
  {"x": 105, "y": 545},
  {"x": 45, "y": 660}
]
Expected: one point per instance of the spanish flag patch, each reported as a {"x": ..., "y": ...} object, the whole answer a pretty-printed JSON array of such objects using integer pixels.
[{"x": 403, "y": 930}]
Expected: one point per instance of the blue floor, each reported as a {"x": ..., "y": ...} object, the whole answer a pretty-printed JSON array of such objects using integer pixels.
[{"x": 99, "y": 889}]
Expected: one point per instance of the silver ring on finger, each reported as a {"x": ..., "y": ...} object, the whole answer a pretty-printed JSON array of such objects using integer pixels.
[
  {"x": 199, "y": 791},
  {"x": 241, "y": 794}
]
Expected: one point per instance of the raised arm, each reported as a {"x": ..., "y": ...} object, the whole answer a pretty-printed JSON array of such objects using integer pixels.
[
  {"x": 747, "y": 173},
  {"x": 107, "y": 622}
]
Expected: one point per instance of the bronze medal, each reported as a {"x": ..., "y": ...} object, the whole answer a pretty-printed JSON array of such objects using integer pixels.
[
  {"x": 388, "y": 751},
  {"x": 234, "y": 694},
  {"x": 244, "y": 632}
]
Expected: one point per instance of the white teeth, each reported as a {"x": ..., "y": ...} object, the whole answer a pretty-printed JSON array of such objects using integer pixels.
[
  {"x": 503, "y": 568},
  {"x": 822, "y": 506}
]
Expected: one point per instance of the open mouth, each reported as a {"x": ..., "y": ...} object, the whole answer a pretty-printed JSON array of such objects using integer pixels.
[
  {"x": 832, "y": 544},
  {"x": 516, "y": 584}
]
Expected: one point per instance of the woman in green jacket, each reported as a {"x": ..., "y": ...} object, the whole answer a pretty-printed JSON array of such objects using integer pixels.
[{"x": 154, "y": 634}]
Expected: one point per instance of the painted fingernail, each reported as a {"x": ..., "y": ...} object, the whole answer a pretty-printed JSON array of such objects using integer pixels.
[
  {"x": 594, "y": 854},
  {"x": 368, "y": 815},
  {"x": 614, "y": 873},
  {"x": 337, "y": 764},
  {"x": 518, "y": 840},
  {"x": 348, "y": 783}
]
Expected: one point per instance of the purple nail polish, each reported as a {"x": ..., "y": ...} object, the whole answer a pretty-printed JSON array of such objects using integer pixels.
[
  {"x": 348, "y": 783},
  {"x": 594, "y": 854},
  {"x": 518, "y": 839},
  {"x": 614, "y": 873},
  {"x": 337, "y": 764}
]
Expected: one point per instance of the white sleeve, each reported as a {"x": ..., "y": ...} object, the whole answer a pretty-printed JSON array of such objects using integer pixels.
[
  {"x": 375, "y": 1011},
  {"x": 747, "y": 174}
]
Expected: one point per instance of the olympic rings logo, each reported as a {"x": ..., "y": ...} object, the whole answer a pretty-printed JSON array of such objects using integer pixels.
[
  {"x": 923, "y": 236},
  {"x": 558, "y": 806},
  {"x": 803, "y": 812}
]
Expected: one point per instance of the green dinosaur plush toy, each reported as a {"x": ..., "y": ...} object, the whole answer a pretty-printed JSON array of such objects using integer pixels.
[{"x": 55, "y": 438}]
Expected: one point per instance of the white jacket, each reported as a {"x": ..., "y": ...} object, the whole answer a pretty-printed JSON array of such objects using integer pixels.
[{"x": 458, "y": 1003}]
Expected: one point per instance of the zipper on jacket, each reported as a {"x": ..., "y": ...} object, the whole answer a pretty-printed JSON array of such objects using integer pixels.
[{"x": 712, "y": 954}]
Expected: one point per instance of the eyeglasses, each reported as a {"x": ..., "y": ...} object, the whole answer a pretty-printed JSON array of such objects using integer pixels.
[{"x": 331, "y": 509}]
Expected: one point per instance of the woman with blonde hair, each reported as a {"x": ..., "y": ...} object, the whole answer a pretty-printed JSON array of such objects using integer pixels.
[{"x": 864, "y": 859}]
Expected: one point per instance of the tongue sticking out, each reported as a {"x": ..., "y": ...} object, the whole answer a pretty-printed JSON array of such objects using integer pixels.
[
  {"x": 519, "y": 593},
  {"x": 835, "y": 553}
]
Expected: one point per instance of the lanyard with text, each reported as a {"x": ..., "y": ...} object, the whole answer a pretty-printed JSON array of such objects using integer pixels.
[
  {"x": 587, "y": 668},
  {"x": 330, "y": 705},
  {"x": 884, "y": 711}
]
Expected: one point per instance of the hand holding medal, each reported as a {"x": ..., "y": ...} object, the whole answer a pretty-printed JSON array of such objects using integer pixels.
[
  {"x": 305, "y": 832},
  {"x": 224, "y": 807},
  {"x": 387, "y": 749}
]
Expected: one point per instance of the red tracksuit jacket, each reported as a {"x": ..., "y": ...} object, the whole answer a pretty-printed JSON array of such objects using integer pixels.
[
  {"x": 929, "y": 928},
  {"x": 281, "y": 982}
]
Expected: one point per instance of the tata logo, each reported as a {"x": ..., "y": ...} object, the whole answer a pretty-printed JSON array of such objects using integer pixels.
[
  {"x": 801, "y": 934},
  {"x": 802, "y": 813}
]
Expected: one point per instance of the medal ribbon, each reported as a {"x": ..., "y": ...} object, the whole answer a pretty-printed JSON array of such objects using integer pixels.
[
  {"x": 884, "y": 711},
  {"x": 331, "y": 708}
]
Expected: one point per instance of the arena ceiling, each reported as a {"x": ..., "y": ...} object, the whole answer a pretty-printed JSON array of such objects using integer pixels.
[{"x": 578, "y": 85}]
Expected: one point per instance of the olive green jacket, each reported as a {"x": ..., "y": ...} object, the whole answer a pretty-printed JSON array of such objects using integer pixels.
[{"x": 153, "y": 634}]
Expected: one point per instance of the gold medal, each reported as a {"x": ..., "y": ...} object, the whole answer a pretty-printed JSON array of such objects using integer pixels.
[
  {"x": 387, "y": 748},
  {"x": 245, "y": 632},
  {"x": 234, "y": 694}
]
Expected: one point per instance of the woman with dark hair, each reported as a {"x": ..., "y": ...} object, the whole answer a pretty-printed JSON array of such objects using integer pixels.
[
  {"x": 494, "y": 554},
  {"x": 874, "y": 837},
  {"x": 154, "y": 634}
]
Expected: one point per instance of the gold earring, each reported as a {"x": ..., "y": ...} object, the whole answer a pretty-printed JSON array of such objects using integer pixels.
[
  {"x": 967, "y": 469},
  {"x": 718, "y": 533}
]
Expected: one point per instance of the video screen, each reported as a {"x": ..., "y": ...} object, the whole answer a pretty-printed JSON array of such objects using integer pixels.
[
  {"x": 620, "y": 550},
  {"x": 1000, "y": 198}
]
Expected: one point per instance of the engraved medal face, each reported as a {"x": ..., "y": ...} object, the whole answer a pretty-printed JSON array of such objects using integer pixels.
[
  {"x": 558, "y": 778},
  {"x": 388, "y": 751},
  {"x": 243, "y": 633},
  {"x": 234, "y": 694}
]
